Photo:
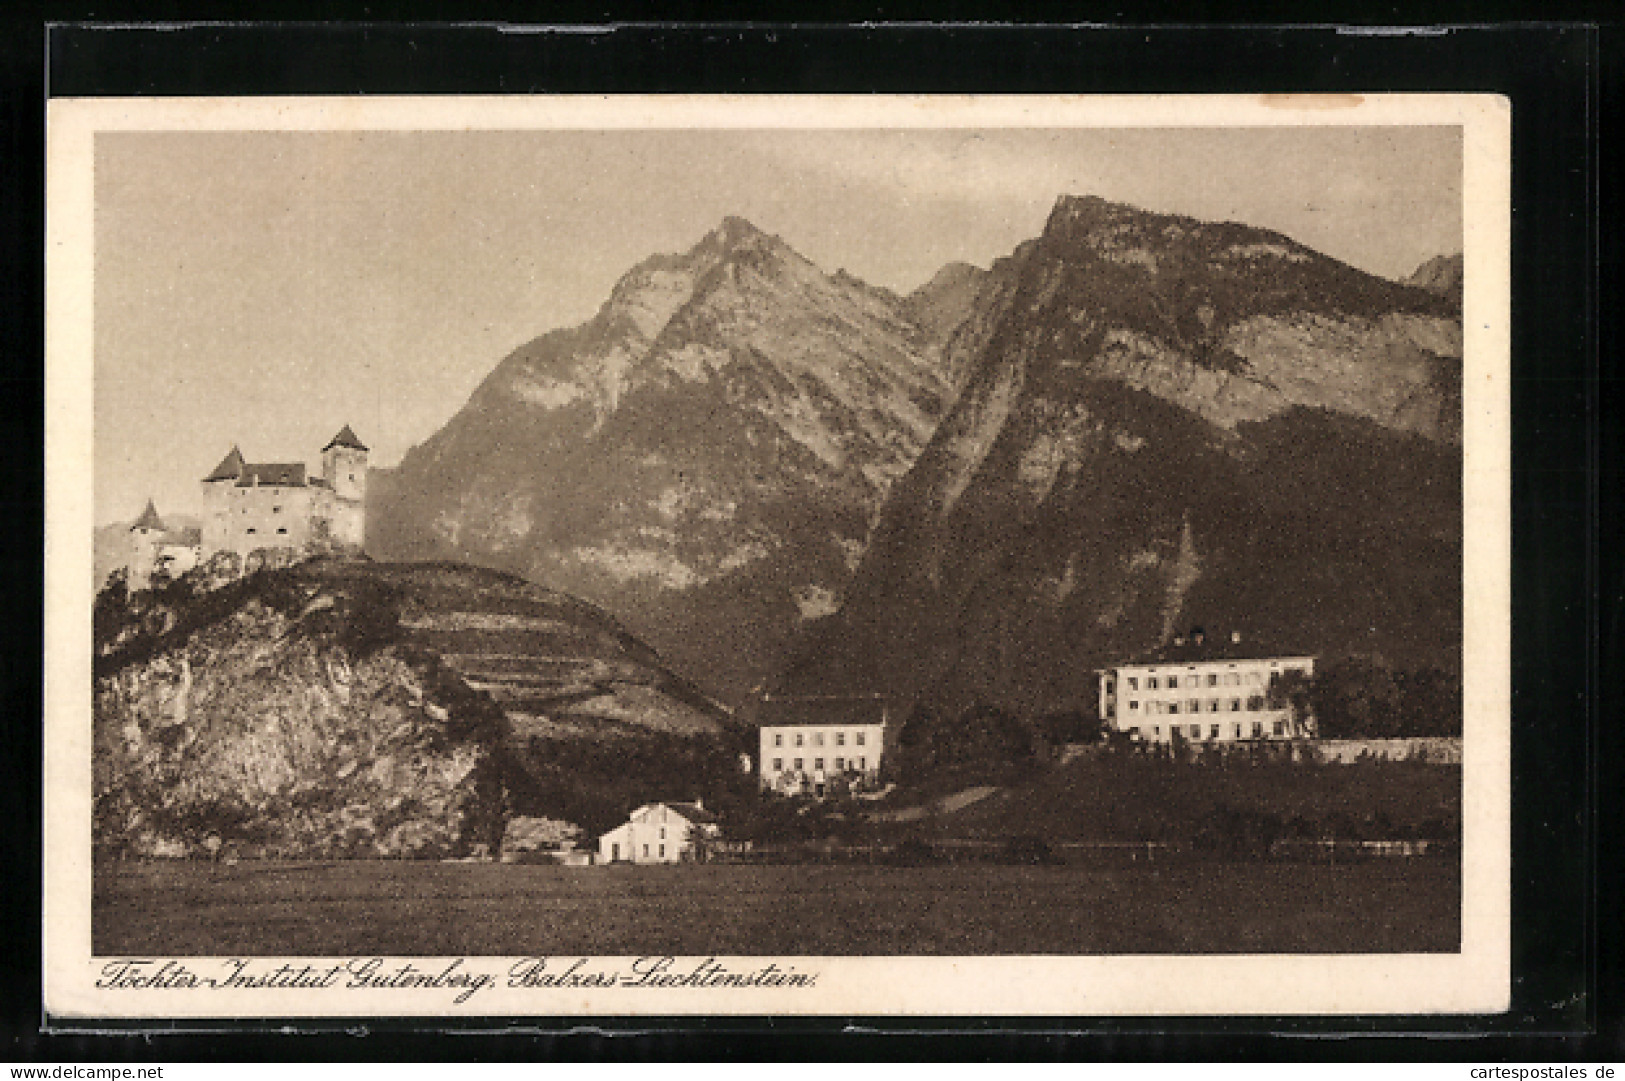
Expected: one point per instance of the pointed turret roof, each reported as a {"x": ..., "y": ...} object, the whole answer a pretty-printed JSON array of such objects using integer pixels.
[
  {"x": 149, "y": 520},
  {"x": 230, "y": 467},
  {"x": 345, "y": 438}
]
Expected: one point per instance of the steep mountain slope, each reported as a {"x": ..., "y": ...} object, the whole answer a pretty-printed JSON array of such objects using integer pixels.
[
  {"x": 1443, "y": 274},
  {"x": 1171, "y": 423},
  {"x": 357, "y": 709},
  {"x": 704, "y": 457},
  {"x": 958, "y": 309}
]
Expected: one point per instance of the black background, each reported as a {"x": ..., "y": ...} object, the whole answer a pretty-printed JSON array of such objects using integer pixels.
[{"x": 1569, "y": 592}]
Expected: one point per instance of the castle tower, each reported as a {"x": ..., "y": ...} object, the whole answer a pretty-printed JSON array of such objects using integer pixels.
[
  {"x": 344, "y": 468},
  {"x": 144, "y": 537},
  {"x": 149, "y": 524},
  {"x": 217, "y": 489}
]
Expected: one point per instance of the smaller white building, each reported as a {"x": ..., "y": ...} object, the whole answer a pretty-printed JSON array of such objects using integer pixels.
[
  {"x": 1203, "y": 690},
  {"x": 660, "y": 833},
  {"x": 808, "y": 744}
]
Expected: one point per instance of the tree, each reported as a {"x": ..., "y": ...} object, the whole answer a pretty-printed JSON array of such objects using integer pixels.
[
  {"x": 984, "y": 741},
  {"x": 1293, "y": 691},
  {"x": 111, "y": 609},
  {"x": 1071, "y": 726},
  {"x": 1432, "y": 702},
  {"x": 1366, "y": 698}
]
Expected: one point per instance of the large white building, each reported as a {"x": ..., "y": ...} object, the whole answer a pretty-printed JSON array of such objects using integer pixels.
[
  {"x": 1202, "y": 690},
  {"x": 808, "y": 743},
  {"x": 659, "y": 833}
]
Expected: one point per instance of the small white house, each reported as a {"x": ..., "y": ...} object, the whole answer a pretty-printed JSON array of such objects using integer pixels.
[{"x": 660, "y": 833}]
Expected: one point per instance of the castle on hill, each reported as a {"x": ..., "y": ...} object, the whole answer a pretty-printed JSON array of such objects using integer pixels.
[{"x": 248, "y": 506}]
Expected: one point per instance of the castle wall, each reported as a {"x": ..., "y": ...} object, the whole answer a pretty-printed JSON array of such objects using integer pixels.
[{"x": 268, "y": 516}]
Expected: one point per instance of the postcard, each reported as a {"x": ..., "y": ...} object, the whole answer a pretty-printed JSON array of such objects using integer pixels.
[{"x": 862, "y": 556}]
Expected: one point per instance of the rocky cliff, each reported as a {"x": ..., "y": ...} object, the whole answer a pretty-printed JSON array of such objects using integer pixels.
[
  {"x": 704, "y": 457},
  {"x": 1443, "y": 274},
  {"x": 958, "y": 309},
  {"x": 1166, "y": 422},
  {"x": 348, "y": 709}
]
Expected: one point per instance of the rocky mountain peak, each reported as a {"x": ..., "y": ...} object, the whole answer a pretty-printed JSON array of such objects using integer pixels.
[
  {"x": 1087, "y": 225},
  {"x": 736, "y": 237},
  {"x": 1442, "y": 274},
  {"x": 950, "y": 276},
  {"x": 1081, "y": 213},
  {"x": 735, "y": 229}
]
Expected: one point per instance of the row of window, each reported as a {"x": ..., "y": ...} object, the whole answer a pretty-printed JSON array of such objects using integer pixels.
[
  {"x": 818, "y": 739},
  {"x": 1195, "y": 731},
  {"x": 860, "y": 763},
  {"x": 1212, "y": 679},
  {"x": 1254, "y": 704},
  {"x": 280, "y": 530}
]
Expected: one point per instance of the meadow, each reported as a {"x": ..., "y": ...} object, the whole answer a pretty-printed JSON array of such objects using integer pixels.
[{"x": 348, "y": 908}]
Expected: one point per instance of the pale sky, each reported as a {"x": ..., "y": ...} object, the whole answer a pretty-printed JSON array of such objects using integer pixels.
[{"x": 266, "y": 288}]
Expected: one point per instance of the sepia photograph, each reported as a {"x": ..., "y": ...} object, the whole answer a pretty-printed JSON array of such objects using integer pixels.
[{"x": 612, "y": 556}]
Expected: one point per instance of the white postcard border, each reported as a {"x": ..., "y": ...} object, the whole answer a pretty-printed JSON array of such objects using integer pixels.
[{"x": 1477, "y": 980}]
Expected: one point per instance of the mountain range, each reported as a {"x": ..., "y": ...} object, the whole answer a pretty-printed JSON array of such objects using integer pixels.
[
  {"x": 1175, "y": 423},
  {"x": 981, "y": 490},
  {"x": 704, "y": 457}
]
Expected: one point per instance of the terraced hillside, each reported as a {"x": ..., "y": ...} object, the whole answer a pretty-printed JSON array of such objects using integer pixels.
[{"x": 557, "y": 666}]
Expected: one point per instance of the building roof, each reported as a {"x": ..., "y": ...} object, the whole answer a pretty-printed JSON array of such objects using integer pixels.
[
  {"x": 189, "y": 537},
  {"x": 821, "y": 710},
  {"x": 1197, "y": 646},
  {"x": 345, "y": 438},
  {"x": 282, "y": 474},
  {"x": 693, "y": 812},
  {"x": 230, "y": 467},
  {"x": 149, "y": 519}
]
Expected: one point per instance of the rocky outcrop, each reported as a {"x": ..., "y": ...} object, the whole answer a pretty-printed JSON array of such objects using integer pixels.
[
  {"x": 1442, "y": 275},
  {"x": 263, "y": 741},
  {"x": 958, "y": 309}
]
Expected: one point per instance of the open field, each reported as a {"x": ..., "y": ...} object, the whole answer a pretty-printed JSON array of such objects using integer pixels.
[
  {"x": 1133, "y": 798},
  {"x": 436, "y": 909}
]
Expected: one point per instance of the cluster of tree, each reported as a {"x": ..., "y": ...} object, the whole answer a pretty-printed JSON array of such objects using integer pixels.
[
  {"x": 1367, "y": 698},
  {"x": 983, "y": 743},
  {"x": 129, "y": 625},
  {"x": 597, "y": 783}
]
